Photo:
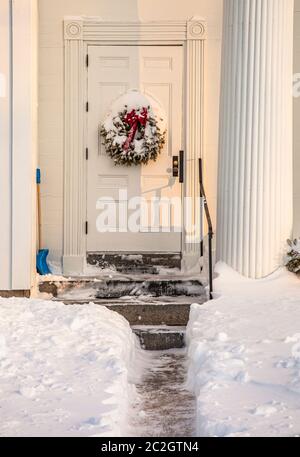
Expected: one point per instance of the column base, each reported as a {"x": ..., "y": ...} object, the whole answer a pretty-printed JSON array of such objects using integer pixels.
[
  {"x": 73, "y": 265},
  {"x": 191, "y": 261}
]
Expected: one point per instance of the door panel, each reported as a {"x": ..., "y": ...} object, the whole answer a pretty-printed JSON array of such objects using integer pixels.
[{"x": 156, "y": 71}]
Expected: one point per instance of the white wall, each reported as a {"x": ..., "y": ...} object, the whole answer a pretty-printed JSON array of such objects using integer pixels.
[
  {"x": 18, "y": 108},
  {"x": 51, "y": 99},
  {"x": 297, "y": 124}
]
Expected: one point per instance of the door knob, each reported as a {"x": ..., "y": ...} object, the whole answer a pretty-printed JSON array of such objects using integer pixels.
[{"x": 175, "y": 166}]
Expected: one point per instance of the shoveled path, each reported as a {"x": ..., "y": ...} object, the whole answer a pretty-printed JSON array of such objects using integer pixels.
[{"x": 164, "y": 408}]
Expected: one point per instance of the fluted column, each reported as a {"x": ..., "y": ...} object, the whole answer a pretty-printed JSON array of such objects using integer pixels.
[
  {"x": 194, "y": 140},
  {"x": 255, "y": 158}
]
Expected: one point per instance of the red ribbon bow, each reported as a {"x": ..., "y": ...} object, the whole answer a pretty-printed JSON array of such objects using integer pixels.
[{"x": 133, "y": 120}]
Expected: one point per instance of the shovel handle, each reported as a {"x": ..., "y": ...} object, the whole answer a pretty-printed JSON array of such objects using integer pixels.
[{"x": 39, "y": 215}]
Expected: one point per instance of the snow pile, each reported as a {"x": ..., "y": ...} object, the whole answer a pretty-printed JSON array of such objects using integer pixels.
[
  {"x": 65, "y": 371},
  {"x": 244, "y": 354}
]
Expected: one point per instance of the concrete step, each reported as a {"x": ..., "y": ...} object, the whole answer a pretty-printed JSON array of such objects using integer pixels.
[
  {"x": 160, "y": 338},
  {"x": 146, "y": 314},
  {"x": 135, "y": 262},
  {"x": 118, "y": 287}
]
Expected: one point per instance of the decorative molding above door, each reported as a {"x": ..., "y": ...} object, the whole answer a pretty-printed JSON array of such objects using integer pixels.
[
  {"x": 79, "y": 32},
  {"x": 98, "y": 30}
]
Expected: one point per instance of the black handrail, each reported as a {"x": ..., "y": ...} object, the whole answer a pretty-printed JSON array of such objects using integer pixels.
[{"x": 210, "y": 229}]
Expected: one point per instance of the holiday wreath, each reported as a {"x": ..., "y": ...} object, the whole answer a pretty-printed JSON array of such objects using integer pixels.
[{"x": 133, "y": 133}]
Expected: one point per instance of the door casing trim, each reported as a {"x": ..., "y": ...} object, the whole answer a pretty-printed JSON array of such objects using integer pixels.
[{"x": 81, "y": 32}]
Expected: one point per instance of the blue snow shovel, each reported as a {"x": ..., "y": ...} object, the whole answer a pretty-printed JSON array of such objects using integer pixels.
[{"x": 41, "y": 257}]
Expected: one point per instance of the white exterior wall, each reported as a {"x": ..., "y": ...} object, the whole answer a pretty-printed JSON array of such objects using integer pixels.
[
  {"x": 51, "y": 101},
  {"x": 18, "y": 121},
  {"x": 296, "y": 124}
]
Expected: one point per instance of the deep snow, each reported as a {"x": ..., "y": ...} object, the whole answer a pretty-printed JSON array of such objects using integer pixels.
[
  {"x": 71, "y": 371},
  {"x": 244, "y": 356},
  {"x": 64, "y": 371}
]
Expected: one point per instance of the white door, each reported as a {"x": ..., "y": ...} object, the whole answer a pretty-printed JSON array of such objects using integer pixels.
[{"x": 157, "y": 72}]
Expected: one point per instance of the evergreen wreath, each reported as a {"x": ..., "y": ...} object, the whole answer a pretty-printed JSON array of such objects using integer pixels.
[{"x": 133, "y": 135}]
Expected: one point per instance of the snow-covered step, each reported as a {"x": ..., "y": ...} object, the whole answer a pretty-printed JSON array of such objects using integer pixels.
[
  {"x": 118, "y": 287},
  {"x": 160, "y": 338},
  {"x": 141, "y": 313},
  {"x": 136, "y": 263}
]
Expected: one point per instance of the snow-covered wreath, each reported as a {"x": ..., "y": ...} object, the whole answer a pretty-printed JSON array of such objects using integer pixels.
[{"x": 134, "y": 131}]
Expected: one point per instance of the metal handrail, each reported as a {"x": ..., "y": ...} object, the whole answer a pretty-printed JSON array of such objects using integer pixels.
[{"x": 210, "y": 229}]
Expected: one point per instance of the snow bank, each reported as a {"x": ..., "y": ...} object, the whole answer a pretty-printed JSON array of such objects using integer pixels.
[
  {"x": 65, "y": 371},
  {"x": 244, "y": 357}
]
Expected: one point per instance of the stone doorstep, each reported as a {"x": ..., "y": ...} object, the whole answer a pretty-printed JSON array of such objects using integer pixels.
[
  {"x": 115, "y": 288},
  {"x": 160, "y": 338},
  {"x": 141, "y": 314},
  {"x": 165, "y": 314},
  {"x": 135, "y": 262},
  {"x": 15, "y": 293}
]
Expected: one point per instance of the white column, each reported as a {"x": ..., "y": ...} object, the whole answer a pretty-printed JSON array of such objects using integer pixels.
[
  {"x": 24, "y": 142},
  {"x": 74, "y": 161},
  {"x": 255, "y": 160},
  {"x": 18, "y": 134}
]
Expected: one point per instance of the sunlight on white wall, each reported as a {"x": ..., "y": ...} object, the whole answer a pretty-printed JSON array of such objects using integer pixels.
[{"x": 51, "y": 92}]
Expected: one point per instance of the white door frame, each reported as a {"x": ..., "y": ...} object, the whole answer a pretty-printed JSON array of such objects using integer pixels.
[{"x": 79, "y": 32}]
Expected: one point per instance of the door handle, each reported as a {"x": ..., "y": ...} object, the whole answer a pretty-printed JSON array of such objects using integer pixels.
[
  {"x": 175, "y": 166},
  {"x": 178, "y": 167},
  {"x": 181, "y": 167}
]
